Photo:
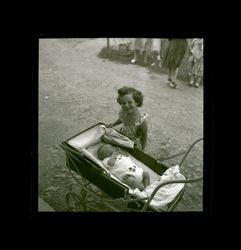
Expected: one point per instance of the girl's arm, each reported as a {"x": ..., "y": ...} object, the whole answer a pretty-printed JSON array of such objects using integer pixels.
[
  {"x": 143, "y": 128},
  {"x": 117, "y": 122}
]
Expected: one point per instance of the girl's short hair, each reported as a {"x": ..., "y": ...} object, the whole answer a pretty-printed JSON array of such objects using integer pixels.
[{"x": 137, "y": 95}]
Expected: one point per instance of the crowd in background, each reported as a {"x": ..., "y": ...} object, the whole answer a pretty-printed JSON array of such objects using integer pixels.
[{"x": 169, "y": 53}]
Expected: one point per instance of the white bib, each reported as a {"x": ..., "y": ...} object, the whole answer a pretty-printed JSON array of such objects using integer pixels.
[{"x": 124, "y": 166}]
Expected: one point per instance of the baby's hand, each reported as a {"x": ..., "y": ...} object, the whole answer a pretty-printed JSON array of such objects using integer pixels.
[
  {"x": 113, "y": 157},
  {"x": 131, "y": 181}
]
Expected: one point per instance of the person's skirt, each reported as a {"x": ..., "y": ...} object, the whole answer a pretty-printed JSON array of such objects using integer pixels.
[
  {"x": 156, "y": 45},
  {"x": 151, "y": 46},
  {"x": 148, "y": 46},
  {"x": 139, "y": 43},
  {"x": 174, "y": 53}
]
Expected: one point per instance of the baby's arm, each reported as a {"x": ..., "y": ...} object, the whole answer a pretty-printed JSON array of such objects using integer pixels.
[
  {"x": 143, "y": 128},
  {"x": 146, "y": 178},
  {"x": 111, "y": 161},
  {"x": 132, "y": 181}
]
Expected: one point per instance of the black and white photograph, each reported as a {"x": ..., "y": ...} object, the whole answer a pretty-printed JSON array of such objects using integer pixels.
[{"x": 120, "y": 124}]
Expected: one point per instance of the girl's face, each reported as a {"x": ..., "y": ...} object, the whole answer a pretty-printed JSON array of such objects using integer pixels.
[{"x": 128, "y": 104}]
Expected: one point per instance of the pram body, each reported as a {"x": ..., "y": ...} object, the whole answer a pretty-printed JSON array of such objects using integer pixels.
[{"x": 80, "y": 158}]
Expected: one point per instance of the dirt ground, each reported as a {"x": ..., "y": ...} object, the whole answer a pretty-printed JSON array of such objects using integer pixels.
[{"x": 77, "y": 89}]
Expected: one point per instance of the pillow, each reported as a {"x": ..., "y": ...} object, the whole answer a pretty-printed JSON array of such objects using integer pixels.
[{"x": 87, "y": 138}]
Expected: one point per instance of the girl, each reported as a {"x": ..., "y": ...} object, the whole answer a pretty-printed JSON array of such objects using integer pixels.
[
  {"x": 134, "y": 123},
  {"x": 196, "y": 60}
]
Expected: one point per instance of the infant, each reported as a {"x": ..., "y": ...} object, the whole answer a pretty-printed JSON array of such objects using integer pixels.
[{"x": 120, "y": 164}]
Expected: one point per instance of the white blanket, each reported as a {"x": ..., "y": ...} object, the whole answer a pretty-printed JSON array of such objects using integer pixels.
[{"x": 167, "y": 193}]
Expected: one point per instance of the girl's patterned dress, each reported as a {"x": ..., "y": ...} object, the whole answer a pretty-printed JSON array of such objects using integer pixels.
[{"x": 133, "y": 131}]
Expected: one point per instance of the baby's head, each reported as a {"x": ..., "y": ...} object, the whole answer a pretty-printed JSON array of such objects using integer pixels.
[{"x": 105, "y": 150}]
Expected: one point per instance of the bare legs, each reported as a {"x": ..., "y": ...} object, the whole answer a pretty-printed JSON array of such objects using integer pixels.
[
  {"x": 145, "y": 58},
  {"x": 195, "y": 80},
  {"x": 155, "y": 59},
  {"x": 136, "y": 53},
  {"x": 145, "y": 54},
  {"x": 135, "y": 56},
  {"x": 172, "y": 77},
  {"x": 191, "y": 80},
  {"x": 198, "y": 80}
]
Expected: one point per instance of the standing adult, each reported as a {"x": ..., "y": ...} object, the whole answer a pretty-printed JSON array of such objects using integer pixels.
[
  {"x": 172, "y": 58},
  {"x": 152, "y": 49},
  {"x": 139, "y": 47}
]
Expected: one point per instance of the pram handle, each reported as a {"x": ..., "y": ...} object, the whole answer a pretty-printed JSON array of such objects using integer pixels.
[
  {"x": 170, "y": 182},
  {"x": 188, "y": 151},
  {"x": 181, "y": 153}
]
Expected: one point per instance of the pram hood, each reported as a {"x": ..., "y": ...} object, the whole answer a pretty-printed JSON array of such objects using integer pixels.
[{"x": 94, "y": 135}]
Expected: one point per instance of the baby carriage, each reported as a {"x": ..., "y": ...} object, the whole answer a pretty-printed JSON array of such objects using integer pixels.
[{"x": 99, "y": 190}]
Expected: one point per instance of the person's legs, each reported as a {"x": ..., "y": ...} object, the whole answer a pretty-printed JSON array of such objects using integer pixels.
[
  {"x": 135, "y": 56},
  {"x": 154, "y": 59},
  {"x": 198, "y": 80},
  {"x": 172, "y": 77},
  {"x": 160, "y": 58},
  {"x": 169, "y": 75},
  {"x": 145, "y": 57},
  {"x": 175, "y": 73},
  {"x": 191, "y": 80}
]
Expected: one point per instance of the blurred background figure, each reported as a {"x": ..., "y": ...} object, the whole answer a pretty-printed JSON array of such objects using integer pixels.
[
  {"x": 196, "y": 60},
  {"x": 152, "y": 51},
  {"x": 139, "y": 47},
  {"x": 163, "y": 47},
  {"x": 172, "y": 58}
]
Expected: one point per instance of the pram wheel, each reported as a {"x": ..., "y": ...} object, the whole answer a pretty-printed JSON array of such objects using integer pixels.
[{"x": 74, "y": 203}]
